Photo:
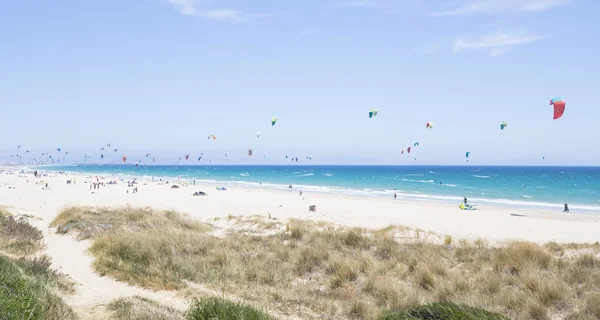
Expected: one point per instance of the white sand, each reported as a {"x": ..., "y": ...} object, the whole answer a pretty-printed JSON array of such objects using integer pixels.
[{"x": 491, "y": 223}]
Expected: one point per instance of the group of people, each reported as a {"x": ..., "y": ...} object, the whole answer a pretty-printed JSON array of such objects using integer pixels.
[{"x": 96, "y": 185}]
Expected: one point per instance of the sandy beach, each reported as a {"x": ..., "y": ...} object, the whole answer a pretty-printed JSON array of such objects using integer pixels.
[{"x": 26, "y": 195}]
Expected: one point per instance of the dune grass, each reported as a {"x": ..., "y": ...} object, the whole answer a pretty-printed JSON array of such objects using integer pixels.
[
  {"x": 138, "y": 308},
  {"x": 28, "y": 285},
  {"x": 216, "y": 308},
  {"x": 310, "y": 270},
  {"x": 446, "y": 311},
  {"x": 17, "y": 236}
]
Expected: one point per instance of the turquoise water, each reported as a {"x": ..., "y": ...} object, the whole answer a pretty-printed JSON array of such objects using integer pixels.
[{"x": 541, "y": 187}]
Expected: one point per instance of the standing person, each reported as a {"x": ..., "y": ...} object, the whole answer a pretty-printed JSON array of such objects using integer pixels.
[
  {"x": 566, "y": 208},
  {"x": 465, "y": 199},
  {"x": 46, "y": 185},
  {"x": 395, "y": 195},
  {"x": 90, "y": 186},
  {"x": 301, "y": 193}
]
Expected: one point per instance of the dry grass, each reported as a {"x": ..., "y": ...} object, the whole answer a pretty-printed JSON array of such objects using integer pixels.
[
  {"x": 310, "y": 270},
  {"x": 17, "y": 236},
  {"x": 138, "y": 308}
]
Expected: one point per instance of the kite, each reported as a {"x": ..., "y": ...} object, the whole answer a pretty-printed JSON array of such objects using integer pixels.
[
  {"x": 258, "y": 134},
  {"x": 124, "y": 158},
  {"x": 19, "y": 146},
  {"x": 402, "y": 151},
  {"x": 147, "y": 155},
  {"x": 503, "y": 125},
  {"x": 416, "y": 144},
  {"x": 467, "y": 155},
  {"x": 372, "y": 113},
  {"x": 116, "y": 150},
  {"x": 273, "y": 121},
  {"x": 58, "y": 149},
  {"x": 408, "y": 149},
  {"x": 429, "y": 125},
  {"x": 187, "y": 156},
  {"x": 199, "y": 158},
  {"x": 212, "y": 136},
  {"x": 108, "y": 145},
  {"x": 559, "y": 107},
  {"x": 249, "y": 152}
]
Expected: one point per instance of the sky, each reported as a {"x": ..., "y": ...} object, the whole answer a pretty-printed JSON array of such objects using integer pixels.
[{"x": 159, "y": 76}]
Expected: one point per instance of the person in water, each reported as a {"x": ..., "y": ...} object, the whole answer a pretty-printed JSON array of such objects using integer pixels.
[{"x": 566, "y": 208}]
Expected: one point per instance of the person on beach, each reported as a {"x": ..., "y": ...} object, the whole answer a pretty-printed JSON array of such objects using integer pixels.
[
  {"x": 465, "y": 199},
  {"x": 566, "y": 208},
  {"x": 301, "y": 193},
  {"x": 395, "y": 195}
]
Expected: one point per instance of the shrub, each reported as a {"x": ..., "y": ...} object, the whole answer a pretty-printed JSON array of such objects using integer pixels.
[
  {"x": 443, "y": 311},
  {"x": 215, "y": 308}
]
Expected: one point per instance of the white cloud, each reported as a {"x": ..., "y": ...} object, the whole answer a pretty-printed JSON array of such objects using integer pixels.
[
  {"x": 497, "y": 43},
  {"x": 356, "y": 4},
  {"x": 491, "y": 7},
  {"x": 222, "y": 14},
  {"x": 185, "y": 7},
  {"x": 192, "y": 8}
]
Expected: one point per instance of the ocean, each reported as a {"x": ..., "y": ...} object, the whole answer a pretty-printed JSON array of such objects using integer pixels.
[{"x": 530, "y": 187}]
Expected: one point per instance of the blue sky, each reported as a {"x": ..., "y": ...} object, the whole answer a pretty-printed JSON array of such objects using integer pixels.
[{"x": 159, "y": 76}]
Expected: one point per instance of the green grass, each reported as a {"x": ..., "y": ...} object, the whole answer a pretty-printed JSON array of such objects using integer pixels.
[
  {"x": 28, "y": 297},
  {"x": 219, "y": 309},
  {"x": 443, "y": 311}
]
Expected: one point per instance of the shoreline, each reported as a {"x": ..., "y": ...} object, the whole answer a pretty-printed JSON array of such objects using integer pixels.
[
  {"x": 371, "y": 193},
  {"x": 492, "y": 223}
]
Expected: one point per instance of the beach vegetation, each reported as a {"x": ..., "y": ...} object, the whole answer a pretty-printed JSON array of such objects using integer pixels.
[
  {"x": 18, "y": 236},
  {"x": 216, "y": 308},
  {"x": 306, "y": 270},
  {"x": 29, "y": 287},
  {"x": 139, "y": 308}
]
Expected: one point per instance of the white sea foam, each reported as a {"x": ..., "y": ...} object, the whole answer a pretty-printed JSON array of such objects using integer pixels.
[
  {"x": 305, "y": 175},
  {"x": 422, "y": 181},
  {"x": 482, "y": 177}
]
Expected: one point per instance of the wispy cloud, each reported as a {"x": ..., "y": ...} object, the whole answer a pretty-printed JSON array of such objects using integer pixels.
[
  {"x": 185, "y": 7},
  {"x": 193, "y": 8},
  {"x": 356, "y": 4},
  {"x": 498, "y": 43},
  {"x": 491, "y": 7}
]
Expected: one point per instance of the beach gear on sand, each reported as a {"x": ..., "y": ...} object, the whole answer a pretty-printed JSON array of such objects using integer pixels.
[{"x": 463, "y": 206}]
